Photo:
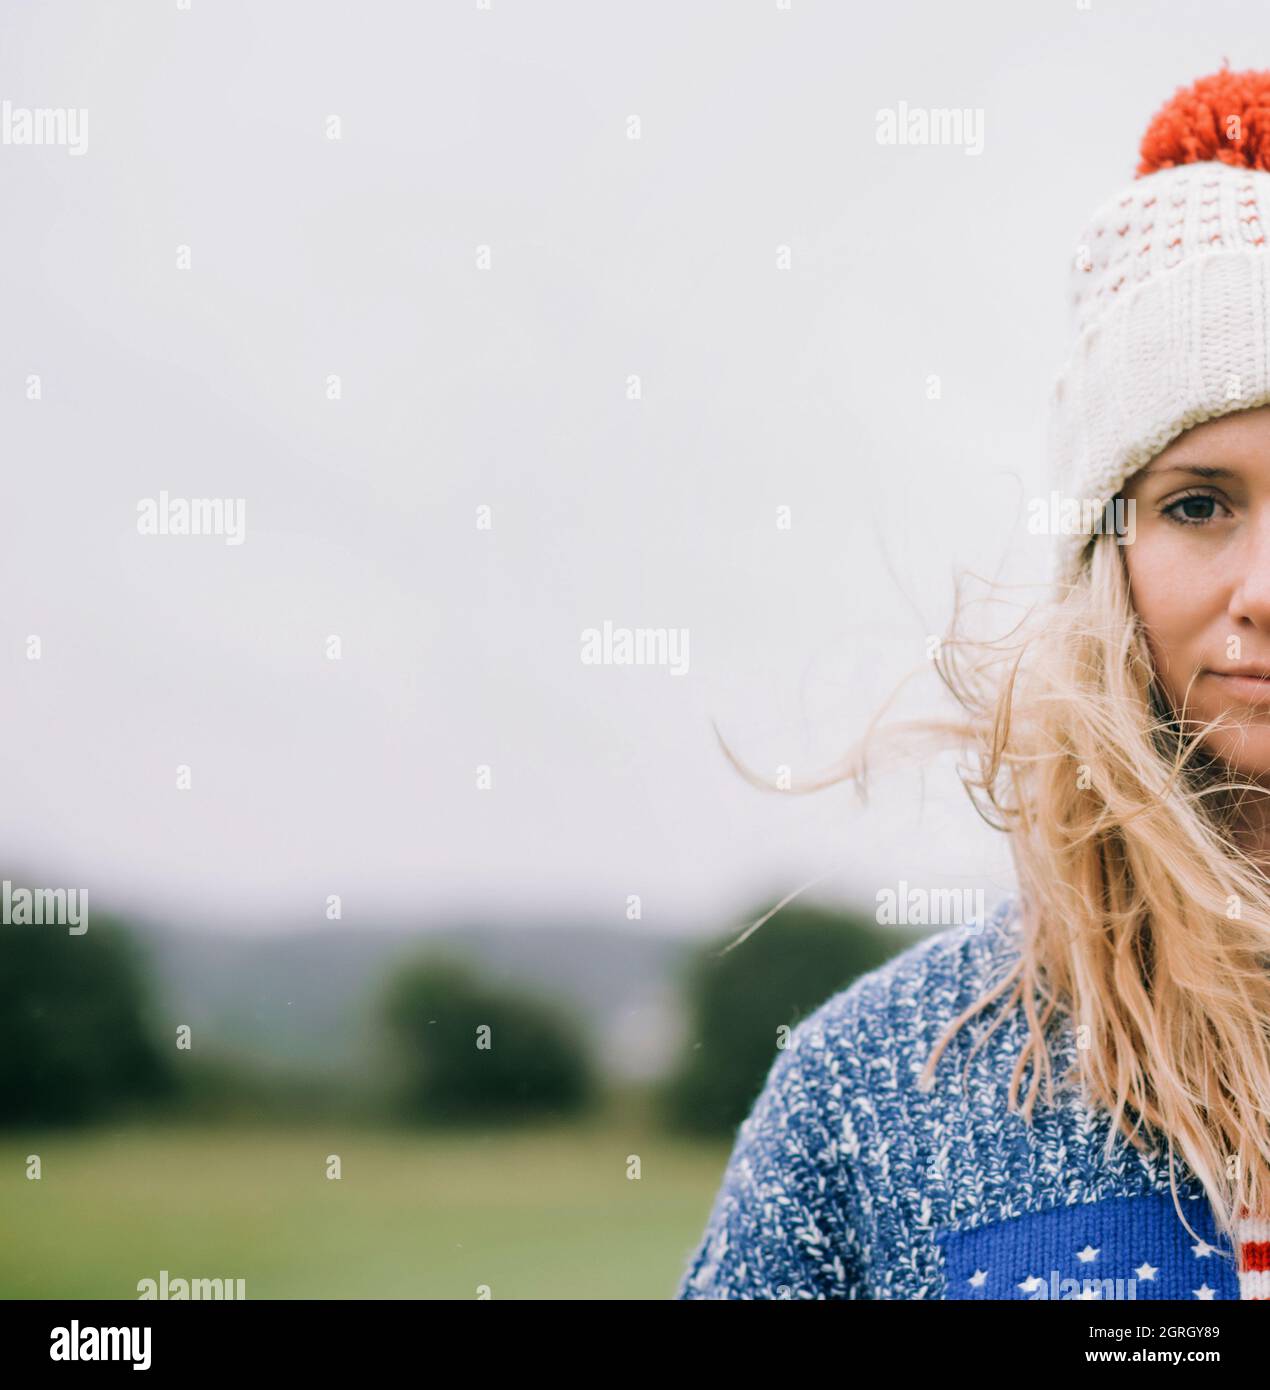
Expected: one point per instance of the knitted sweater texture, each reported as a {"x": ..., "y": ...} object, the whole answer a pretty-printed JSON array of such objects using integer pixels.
[{"x": 848, "y": 1181}]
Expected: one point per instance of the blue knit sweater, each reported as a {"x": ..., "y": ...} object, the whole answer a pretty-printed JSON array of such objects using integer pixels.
[{"x": 846, "y": 1181}]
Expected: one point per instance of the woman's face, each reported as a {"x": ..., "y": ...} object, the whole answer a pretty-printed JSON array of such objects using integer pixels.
[{"x": 1199, "y": 571}]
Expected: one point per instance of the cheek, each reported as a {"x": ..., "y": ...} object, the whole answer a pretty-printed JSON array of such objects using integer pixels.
[{"x": 1173, "y": 598}]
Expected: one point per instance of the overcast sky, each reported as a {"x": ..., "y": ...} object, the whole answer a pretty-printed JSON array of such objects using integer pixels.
[{"x": 501, "y": 379}]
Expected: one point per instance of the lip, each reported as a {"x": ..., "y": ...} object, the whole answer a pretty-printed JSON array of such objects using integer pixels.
[{"x": 1247, "y": 685}]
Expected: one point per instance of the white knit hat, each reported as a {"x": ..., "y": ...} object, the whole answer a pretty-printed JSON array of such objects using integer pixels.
[{"x": 1170, "y": 296}]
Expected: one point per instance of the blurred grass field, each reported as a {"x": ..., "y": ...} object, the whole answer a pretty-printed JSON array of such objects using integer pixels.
[{"x": 538, "y": 1212}]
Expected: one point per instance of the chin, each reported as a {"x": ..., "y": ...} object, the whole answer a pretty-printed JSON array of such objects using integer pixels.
[{"x": 1246, "y": 752}]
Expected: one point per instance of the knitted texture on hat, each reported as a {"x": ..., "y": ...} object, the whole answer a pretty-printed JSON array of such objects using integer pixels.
[{"x": 1170, "y": 299}]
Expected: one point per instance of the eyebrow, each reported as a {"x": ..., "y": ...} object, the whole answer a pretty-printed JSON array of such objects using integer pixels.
[{"x": 1197, "y": 470}]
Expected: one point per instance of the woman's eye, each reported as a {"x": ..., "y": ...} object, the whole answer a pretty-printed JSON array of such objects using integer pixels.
[{"x": 1193, "y": 510}]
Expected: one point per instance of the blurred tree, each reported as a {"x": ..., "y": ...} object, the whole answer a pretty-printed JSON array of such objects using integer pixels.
[
  {"x": 789, "y": 967},
  {"x": 436, "y": 1012},
  {"x": 74, "y": 1038}
]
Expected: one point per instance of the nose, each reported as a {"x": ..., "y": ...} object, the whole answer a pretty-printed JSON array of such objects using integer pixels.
[{"x": 1250, "y": 596}]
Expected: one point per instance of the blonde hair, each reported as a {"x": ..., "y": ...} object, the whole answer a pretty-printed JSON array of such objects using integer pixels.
[{"x": 1143, "y": 920}]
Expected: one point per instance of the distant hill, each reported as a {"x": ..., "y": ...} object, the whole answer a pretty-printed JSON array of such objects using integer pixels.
[{"x": 308, "y": 999}]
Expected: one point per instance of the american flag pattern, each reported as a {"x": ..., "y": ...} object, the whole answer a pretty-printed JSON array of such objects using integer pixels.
[
  {"x": 1113, "y": 1249},
  {"x": 1254, "y": 1256}
]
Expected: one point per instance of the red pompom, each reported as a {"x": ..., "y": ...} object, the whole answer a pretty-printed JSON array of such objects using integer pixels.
[{"x": 1224, "y": 116}]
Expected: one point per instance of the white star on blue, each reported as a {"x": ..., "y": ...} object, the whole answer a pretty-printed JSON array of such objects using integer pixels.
[{"x": 1119, "y": 1248}]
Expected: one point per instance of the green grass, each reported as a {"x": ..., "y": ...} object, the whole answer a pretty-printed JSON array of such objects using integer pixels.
[{"x": 541, "y": 1212}]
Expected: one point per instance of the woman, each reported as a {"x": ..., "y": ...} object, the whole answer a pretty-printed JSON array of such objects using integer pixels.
[{"x": 1072, "y": 1099}]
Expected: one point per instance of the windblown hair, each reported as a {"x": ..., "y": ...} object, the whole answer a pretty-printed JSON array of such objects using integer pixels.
[{"x": 1146, "y": 927}]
